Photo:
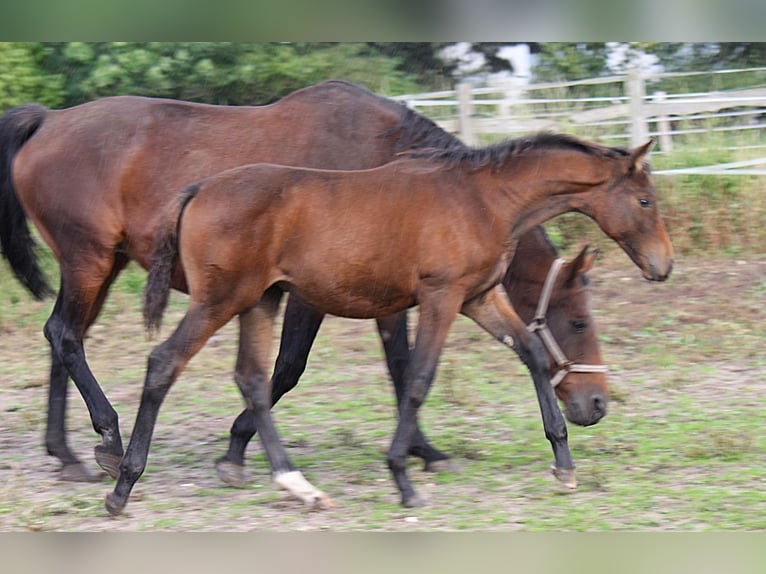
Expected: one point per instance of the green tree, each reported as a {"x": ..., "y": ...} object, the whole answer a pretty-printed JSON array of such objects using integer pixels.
[
  {"x": 703, "y": 56},
  {"x": 559, "y": 61},
  {"x": 22, "y": 79},
  {"x": 216, "y": 72}
]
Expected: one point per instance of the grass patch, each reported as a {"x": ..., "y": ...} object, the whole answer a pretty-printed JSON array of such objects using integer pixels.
[{"x": 680, "y": 448}]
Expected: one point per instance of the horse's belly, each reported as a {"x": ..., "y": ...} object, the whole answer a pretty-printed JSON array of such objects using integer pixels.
[{"x": 356, "y": 303}]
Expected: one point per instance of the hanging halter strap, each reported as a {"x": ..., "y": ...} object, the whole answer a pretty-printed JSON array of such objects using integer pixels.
[{"x": 540, "y": 326}]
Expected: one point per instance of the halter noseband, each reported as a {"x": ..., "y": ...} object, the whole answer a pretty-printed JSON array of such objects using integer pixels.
[{"x": 540, "y": 326}]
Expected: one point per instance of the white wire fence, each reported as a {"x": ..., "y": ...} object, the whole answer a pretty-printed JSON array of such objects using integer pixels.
[{"x": 619, "y": 110}]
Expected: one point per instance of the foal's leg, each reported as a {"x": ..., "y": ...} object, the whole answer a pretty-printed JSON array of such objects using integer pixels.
[
  {"x": 300, "y": 326},
  {"x": 437, "y": 312},
  {"x": 79, "y": 302},
  {"x": 299, "y": 329},
  {"x": 493, "y": 312},
  {"x": 165, "y": 363},
  {"x": 393, "y": 334},
  {"x": 251, "y": 379}
]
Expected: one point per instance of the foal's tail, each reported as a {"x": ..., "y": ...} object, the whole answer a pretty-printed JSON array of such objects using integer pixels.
[
  {"x": 164, "y": 260},
  {"x": 16, "y": 241}
]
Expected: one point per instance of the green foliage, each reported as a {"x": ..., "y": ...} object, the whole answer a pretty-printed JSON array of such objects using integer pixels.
[
  {"x": 558, "y": 61},
  {"x": 215, "y": 72},
  {"x": 684, "y": 57},
  {"x": 23, "y": 81},
  {"x": 417, "y": 58}
]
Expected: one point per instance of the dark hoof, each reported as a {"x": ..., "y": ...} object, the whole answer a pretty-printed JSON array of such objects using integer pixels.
[
  {"x": 77, "y": 472},
  {"x": 110, "y": 462},
  {"x": 113, "y": 505},
  {"x": 566, "y": 476},
  {"x": 413, "y": 501},
  {"x": 441, "y": 465},
  {"x": 231, "y": 474}
]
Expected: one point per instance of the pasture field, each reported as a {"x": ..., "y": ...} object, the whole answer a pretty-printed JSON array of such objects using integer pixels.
[{"x": 683, "y": 447}]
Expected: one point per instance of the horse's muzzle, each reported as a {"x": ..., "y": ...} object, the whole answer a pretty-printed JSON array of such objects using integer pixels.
[
  {"x": 657, "y": 271},
  {"x": 586, "y": 409}
]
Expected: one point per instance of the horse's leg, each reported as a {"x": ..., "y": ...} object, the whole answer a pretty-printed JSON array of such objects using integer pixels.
[
  {"x": 252, "y": 382},
  {"x": 493, "y": 312},
  {"x": 165, "y": 363},
  {"x": 65, "y": 329},
  {"x": 299, "y": 329},
  {"x": 393, "y": 334},
  {"x": 55, "y": 432},
  {"x": 437, "y": 312}
]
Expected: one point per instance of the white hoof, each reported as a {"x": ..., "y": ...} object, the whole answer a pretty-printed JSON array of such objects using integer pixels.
[{"x": 296, "y": 484}]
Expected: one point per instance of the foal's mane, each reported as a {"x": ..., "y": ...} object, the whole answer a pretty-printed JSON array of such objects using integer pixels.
[{"x": 497, "y": 154}]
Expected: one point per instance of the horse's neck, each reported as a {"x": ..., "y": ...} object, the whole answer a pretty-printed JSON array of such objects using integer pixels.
[
  {"x": 540, "y": 187},
  {"x": 534, "y": 246}
]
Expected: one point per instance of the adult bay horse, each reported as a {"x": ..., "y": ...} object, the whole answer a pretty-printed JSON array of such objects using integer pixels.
[
  {"x": 436, "y": 229},
  {"x": 94, "y": 179}
]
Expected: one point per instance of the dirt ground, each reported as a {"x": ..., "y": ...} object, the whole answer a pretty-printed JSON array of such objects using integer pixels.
[{"x": 707, "y": 319}]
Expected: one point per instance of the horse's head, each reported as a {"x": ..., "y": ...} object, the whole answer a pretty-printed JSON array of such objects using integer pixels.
[
  {"x": 567, "y": 330},
  {"x": 629, "y": 213},
  {"x": 584, "y": 388}
]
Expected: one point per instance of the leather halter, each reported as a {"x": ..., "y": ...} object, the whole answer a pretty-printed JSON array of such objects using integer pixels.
[{"x": 540, "y": 326}]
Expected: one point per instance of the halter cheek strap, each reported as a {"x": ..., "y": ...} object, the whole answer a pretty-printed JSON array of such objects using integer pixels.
[{"x": 540, "y": 326}]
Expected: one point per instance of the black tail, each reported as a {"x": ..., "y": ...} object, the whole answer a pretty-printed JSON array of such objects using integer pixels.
[
  {"x": 16, "y": 241},
  {"x": 164, "y": 259}
]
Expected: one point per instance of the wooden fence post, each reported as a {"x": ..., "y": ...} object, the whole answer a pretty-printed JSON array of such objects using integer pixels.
[
  {"x": 636, "y": 91},
  {"x": 663, "y": 125},
  {"x": 465, "y": 112},
  {"x": 513, "y": 91}
]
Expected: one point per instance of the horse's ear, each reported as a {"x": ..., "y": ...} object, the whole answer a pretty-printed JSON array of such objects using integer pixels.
[
  {"x": 582, "y": 264},
  {"x": 637, "y": 156}
]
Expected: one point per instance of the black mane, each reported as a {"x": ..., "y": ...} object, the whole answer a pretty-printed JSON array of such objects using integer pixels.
[
  {"x": 495, "y": 155},
  {"x": 417, "y": 132}
]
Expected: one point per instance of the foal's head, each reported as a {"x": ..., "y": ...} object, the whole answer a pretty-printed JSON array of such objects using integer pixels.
[
  {"x": 611, "y": 185},
  {"x": 568, "y": 318},
  {"x": 629, "y": 213}
]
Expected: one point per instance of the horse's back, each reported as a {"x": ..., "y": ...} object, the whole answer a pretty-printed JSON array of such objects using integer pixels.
[
  {"x": 353, "y": 215},
  {"x": 333, "y": 124},
  {"x": 94, "y": 139},
  {"x": 93, "y": 168},
  {"x": 111, "y": 165}
]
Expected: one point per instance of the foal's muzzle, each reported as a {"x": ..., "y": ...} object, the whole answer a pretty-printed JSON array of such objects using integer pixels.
[{"x": 657, "y": 270}]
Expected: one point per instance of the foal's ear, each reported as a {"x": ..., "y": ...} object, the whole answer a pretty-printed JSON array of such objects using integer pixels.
[
  {"x": 582, "y": 264},
  {"x": 637, "y": 156}
]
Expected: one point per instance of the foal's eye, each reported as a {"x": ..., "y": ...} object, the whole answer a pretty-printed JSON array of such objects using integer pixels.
[
  {"x": 644, "y": 202},
  {"x": 579, "y": 325}
]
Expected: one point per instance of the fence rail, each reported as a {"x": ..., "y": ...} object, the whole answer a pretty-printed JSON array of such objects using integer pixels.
[
  {"x": 731, "y": 168},
  {"x": 627, "y": 113}
]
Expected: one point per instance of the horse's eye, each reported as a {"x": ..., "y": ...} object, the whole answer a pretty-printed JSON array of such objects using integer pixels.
[
  {"x": 579, "y": 325},
  {"x": 644, "y": 202}
]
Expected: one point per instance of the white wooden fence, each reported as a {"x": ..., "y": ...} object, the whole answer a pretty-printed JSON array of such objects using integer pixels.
[{"x": 627, "y": 116}]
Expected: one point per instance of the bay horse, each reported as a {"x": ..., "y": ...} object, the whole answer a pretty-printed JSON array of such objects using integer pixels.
[
  {"x": 436, "y": 229},
  {"x": 94, "y": 179}
]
